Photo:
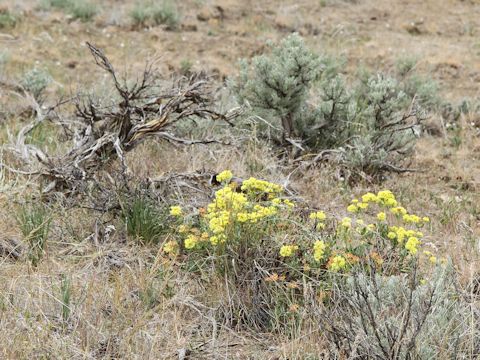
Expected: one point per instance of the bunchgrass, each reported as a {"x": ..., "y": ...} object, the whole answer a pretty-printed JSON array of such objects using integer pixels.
[
  {"x": 145, "y": 221},
  {"x": 34, "y": 222}
]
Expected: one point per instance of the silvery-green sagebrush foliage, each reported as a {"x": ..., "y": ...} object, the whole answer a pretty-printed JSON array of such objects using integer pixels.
[
  {"x": 373, "y": 123},
  {"x": 279, "y": 83},
  {"x": 35, "y": 81},
  {"x": 401, "y": 317}
]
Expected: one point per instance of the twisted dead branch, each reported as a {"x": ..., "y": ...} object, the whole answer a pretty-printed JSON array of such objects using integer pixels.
[{"x": 103, "y": 134}]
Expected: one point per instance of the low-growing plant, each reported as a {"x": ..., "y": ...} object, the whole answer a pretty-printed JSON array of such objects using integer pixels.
[
  {"x": 398, "y": 317},
  {"x": 155, "y": 13},
  {"x": 255, "y": 237},
  {"x": 34, "y": 222},
  {"x": 140, "y": 14},
  {"x": 7, "y": 19},
  {"x": 35, "y": 81},
  {"x": 166, "y": 13},
  {"x": 66, "y": 294},
  {"x": 83, "y": 10},
  {"x": 58, "y": 4},
  {"x": 144, "y": 220},
  {"x": 186, "y": 67}
]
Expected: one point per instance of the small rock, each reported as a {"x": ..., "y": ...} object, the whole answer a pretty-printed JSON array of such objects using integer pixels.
[{"x": 204, "y": 14}]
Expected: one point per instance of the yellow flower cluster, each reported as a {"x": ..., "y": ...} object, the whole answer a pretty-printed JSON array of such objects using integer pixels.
[
  {"x": 412, "y": 245},
  {"x": 231, "y": 207},
  {"x": 384, "y": 197},
  {"x": 319, "y": 250},
  {"x": 400, "y": 233},
  {"x": 224, "y": 176},
  {"x": 346, "y": 222},
  {"x": 398, "y": 210},
  {"x": 191, "y": 241},
  {"x": 170, "y": 247},
  {"x": 381, "y": 216},
  {"x": 318, "y": 215},
  {"x": 256, "y": 211},
  {"x": 337, "y": 263},
  {"x": 176, "y": 211},
  {"x": 288, "y": 250},
  {"x": 256, "y": 186}
]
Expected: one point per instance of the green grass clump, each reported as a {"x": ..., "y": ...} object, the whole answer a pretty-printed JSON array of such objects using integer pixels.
[
  {"x": 56, "y": 4},
  {"x": 66, "y": 294},
  {"x": 161, "y": 13},
  {"x": 166, "y": 13},
  {"x": 145, "y": 221},
  {"x": 83, "y": 10},
  {"x": 34, "y": 222},
  {"x": 7, "y": 19}
]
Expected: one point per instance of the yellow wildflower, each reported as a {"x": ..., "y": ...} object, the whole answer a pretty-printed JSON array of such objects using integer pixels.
[
  {"x": 381, "y": 216},
  {"x": 369, "y": 197},
  {"x": 254, "y": 186},
  {"x": 171, "y": 247},
  {"x": 276, "y": 201},
  {"x": 288, "y": 250},
  {"x": 352, "y": 208},
  {"x": 399, "y": 210},
  {"x": 362, "y": 206},
  {"x": 319, "y": 215},
  {"x": 346, "y": 222},
  {"x": 411, "y": 218},
  {"x": 176, "y": 210},
  {"x": 320, "y": 226},
  {"x": 218, "y": 239},
  {"x": 412, "y": 244},
  {"x": 337, "y": 263},
  {"x": 183, "y": 229},
  {"x": 391, "y": 235},
  {"x": 190, "y": 242},
  {"x": 318, "y": 250},
  {"x": 426, "y": 219},
  {"x": 225, "y": 175}
]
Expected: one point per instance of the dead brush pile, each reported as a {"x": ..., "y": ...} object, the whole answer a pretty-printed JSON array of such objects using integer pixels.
[{"x": 102, "y": 132}]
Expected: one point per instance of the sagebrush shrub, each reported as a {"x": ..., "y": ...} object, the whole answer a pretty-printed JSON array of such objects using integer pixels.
[
  {"x": 399, "y": 317},
  {"x": 279, "y": 83},
  {"x": 373, "y": 122},
  {"x": 83, "y": 10},
  {"x": 155, "y": 13},
  {"x": 35, "y": 81}
]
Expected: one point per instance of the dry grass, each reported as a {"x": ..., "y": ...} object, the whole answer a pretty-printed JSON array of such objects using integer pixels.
[{"x": 126, "y": 300}]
